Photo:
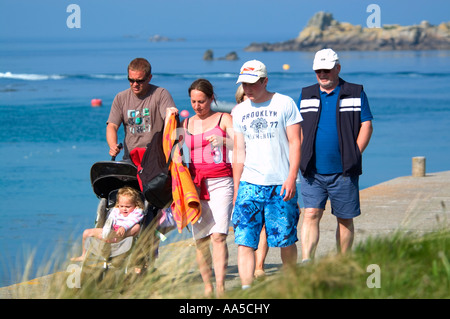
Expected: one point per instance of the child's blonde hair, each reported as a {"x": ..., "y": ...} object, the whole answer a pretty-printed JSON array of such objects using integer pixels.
[{"x": 131, "y": 193}]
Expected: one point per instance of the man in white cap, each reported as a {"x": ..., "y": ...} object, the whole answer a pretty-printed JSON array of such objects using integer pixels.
[
  {"x": 266, "y": 158},
  {"x": 336, "y": 128}
]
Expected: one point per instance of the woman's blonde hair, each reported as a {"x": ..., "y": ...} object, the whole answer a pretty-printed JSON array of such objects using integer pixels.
[
  {"x": 131, "y": 193},
  {"x": 240, "y": 94}
]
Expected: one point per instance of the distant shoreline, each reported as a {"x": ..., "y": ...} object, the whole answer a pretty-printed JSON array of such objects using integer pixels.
[{"x": 323, "y": 31}]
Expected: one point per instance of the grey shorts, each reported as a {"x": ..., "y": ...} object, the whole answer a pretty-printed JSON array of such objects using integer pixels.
[{"x": 343, "y": 192}]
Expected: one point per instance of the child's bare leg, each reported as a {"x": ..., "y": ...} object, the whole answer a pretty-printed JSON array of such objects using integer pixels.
[{"x": 90, "y": 232}]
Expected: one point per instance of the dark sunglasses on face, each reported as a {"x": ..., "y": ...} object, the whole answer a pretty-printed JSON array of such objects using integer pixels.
[
  {"x": 137, "y": 81},
  {"x": 322, "y": 70}
]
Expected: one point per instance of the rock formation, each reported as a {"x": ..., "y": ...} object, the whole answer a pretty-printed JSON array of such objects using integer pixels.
[
  {"x": 324, "y": 31},
  {"x": 209, "y": 56}
]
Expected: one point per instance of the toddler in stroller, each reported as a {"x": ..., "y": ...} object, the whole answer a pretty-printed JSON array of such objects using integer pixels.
[
  {"x": 120, "y": 254},
  {"x": 123, "y": 220}
]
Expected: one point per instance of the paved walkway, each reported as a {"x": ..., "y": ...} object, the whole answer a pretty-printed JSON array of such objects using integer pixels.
[{"x": 410, "y": 204}]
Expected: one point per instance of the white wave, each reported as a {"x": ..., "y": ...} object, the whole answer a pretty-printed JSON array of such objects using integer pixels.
[
  {"x": 109, "y": 76},
  {"x": 30, "y": 77}
]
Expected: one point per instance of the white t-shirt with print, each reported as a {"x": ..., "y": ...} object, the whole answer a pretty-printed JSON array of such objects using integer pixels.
[{"x": 266, "y": 144}]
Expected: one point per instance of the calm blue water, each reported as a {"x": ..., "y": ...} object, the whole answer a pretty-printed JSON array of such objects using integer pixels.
[{"x": 50, "y": 135}]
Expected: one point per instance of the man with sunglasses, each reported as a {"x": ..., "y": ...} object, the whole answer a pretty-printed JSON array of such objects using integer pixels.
[
  {"x": 141, "y": 109},
  {"x": 336, "y": 128}
]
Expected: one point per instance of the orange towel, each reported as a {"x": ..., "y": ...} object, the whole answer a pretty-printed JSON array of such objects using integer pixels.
[{"x": 186, "y": 207}]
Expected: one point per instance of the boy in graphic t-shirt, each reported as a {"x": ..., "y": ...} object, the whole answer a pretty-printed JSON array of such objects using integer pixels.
[{"x": 266, "y": 159}]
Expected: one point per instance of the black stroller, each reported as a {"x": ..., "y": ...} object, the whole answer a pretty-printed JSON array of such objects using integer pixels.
[{"x": 107, "y": 177}]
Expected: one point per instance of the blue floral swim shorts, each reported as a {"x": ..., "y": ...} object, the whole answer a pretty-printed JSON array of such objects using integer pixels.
[{"x": 257, "y": 205}]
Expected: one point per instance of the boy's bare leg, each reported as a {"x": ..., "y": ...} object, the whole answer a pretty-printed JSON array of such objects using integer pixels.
[
  {"x": 246, "y": 264},
  {"x": 261, "y": 253}
]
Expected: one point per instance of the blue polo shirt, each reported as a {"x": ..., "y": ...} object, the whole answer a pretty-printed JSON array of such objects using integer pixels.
[
  {"x": 327, "y": 153},
  {"x": 328, "y": 156}
]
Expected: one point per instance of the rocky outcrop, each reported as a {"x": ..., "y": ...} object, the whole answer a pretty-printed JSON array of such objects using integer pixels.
[
  {"x": 209, "y": 56},
  {"x": 323, "y": 31}
]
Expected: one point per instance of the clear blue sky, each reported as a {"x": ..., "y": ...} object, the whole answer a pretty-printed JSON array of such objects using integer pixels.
[{"x": 252, "y": 19}]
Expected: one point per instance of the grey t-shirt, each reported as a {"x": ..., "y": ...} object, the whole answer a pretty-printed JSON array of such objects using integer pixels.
[{"x": 141, "y": 117}]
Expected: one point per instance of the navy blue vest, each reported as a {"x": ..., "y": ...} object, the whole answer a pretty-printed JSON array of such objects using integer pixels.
[{"x": 348, "y": 115}]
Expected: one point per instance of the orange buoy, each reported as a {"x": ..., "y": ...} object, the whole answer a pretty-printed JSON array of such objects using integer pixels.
[{"x": 96, "y": 102}]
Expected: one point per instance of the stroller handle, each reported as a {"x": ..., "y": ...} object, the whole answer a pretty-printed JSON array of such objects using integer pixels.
[{"x": 120, "y": 146}]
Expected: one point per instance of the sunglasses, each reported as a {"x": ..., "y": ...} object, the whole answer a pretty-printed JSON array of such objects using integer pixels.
[
  {"x": 323, "y": 70},
  {"x": 137, "y": 81}
]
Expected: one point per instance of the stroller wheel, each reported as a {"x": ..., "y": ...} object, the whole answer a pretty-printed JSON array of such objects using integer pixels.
[{"x": 101, "y": 213}]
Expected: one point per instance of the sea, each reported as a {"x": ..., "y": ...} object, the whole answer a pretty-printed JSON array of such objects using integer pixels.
[{"x": 50, "y": 135}]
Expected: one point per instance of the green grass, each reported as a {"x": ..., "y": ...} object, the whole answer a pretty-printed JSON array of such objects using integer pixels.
[{"x": 410, "y": 267}]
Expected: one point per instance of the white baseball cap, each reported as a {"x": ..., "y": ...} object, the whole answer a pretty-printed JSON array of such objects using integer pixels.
[
  {"x": 325, "y": 59},
  {"x": 252, "y": 71}
]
